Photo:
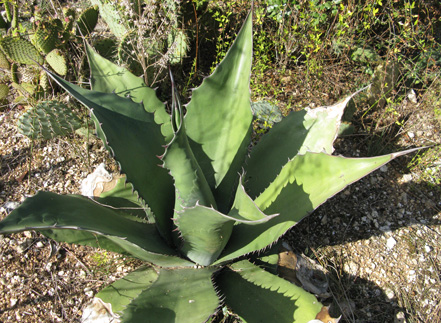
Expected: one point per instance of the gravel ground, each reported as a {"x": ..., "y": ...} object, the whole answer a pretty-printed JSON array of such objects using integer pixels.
[{"x": 379, "y": 240}]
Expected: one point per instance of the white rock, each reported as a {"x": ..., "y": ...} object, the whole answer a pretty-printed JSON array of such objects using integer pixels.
[
  {"x": 411, "y": 95},
  {"x": 383, "y": 168},
  {"x": 351, "y": 268},
  {"x": 411, "y": 276},
  {"x": 391, "y": 242},
  {"x": 89, "y": 183},
  {"x": 389, "y": 293},
  {"x": 99, "y": 312},
  {"x": 9, "y": 206}
]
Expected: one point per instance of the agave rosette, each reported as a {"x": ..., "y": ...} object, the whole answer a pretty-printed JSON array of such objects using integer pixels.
[{"x": 197, "y": 204}]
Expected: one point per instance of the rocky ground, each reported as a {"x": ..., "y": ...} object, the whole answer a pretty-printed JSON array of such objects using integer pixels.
[{"x": 379, "y": 240}]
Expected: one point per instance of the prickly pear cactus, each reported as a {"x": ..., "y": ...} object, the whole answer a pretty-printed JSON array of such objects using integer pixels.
[
  {"x": 14, "y": 73},
  {"x": 20, "y": 50},
  {"x": 178, "y": 46},
  {"x": 57, "y": 61},
  {"x": 128, "y": 53},
  {"x": 69, "y": 15},
  {"x": 27, "y": 74},
  {"x": 4, "y": 90},
  {"x": 113, "y": 16},
  {"x": 44, "y": 81},
  {"x": 106, "y": 47},
  {"x": 48, "y": 119},
  {"x": 87, "y": 21},
  {"x": 266, "y": 113},
  {"x": 47, "y": 36},
  {"x": 4, "y": 63}
]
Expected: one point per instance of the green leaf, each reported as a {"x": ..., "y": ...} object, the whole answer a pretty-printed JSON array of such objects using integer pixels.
[
  {"x": 190, "y": 183},
  {"x": 259, "y": 296},
  {"x": 312, "y": 130},
  {"x": 219, "y": 114},
  {"x": 123, "y": 291},
  {"x": 245, "y": 208},
  {"x": 48, "y": 211},
  {"x": 84, "y": 238},
  {"x": 304, "y": 183},
  {"x": 108, "y": 77},
  {"x": 205, "y": 232},
  {"x": 178, "y": 295},
  {"x": 136, "y": 141},
  {"x": 123, "y": 199}
]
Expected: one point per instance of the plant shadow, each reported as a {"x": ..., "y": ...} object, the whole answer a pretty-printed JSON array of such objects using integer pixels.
[{"x": 371, "y": 226}]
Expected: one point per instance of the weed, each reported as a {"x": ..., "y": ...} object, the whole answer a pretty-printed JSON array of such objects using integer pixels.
[{"x": 427, "y": 164}]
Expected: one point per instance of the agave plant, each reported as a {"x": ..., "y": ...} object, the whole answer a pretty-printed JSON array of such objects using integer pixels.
[{"x": 198, "y": 206}]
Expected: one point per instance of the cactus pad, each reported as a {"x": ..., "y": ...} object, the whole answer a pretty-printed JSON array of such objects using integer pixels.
[
  {"x": 25, "y": 88},
  {"x": 57, "y": 61},
  {"x": 20, "y": 50},
  {"x": 127, "y": 53},
  {"x": 46, "y": 37},
  {"x": 44, "y": 81},
  {"x": 69, "y": 16},
  {"x": 106, "y": 47},
  {"x": 4, "y": 90},
  {"x": 266, "y": 113},
  {"x": 27, "y": 74},
  {"x": 14, "y": 73},
  {"x": 178, "y": 44},
  {"x": 87, "y": 21},
  {"x": 47, "y": 120},
  {"x": 113, "y": 17},
  {"x": 4, "y": 63}
]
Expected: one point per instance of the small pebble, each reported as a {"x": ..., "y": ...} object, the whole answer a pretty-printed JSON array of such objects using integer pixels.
[{"x": 391, "y": 242}]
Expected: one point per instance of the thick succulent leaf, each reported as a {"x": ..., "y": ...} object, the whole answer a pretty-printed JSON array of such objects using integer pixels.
[
  {"x": 190, "y": 183},
  {"x": 219, "y": 114},
  {"x": 48, "y": 211},
  {"x": 204, "y": 232},
  {"x": 259, "y": 296},
  {"x": 223, "y": 194},
  {"x": 245, "y": 208},
  {"x": 136, "y": 141},
  {"x": 268, "y": 259},
  {"x": 108, "y": 77},
  {"x": 312, "y": 130},
  {"x": 123, "y": 199},
  {"x": 84, "y": 238},
  {"x": 120, "y": 293},
  {"x": 178, "y": 295},
  {"x": 304, "y": 183}
]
